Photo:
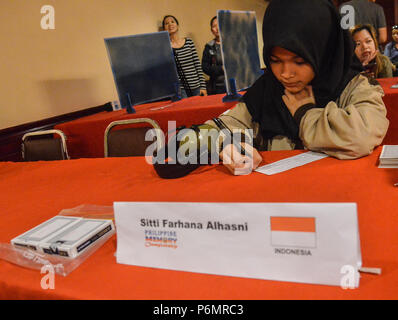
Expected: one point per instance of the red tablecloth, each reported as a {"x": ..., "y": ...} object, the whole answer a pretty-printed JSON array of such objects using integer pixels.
[
  {"x": 33, "y": 192},
  {"x": 85, "y": 136}
]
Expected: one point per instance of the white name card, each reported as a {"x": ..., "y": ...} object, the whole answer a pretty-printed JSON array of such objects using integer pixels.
[
  {"x": 298, "y": 242},
  {"x": 291, "y": 162}
]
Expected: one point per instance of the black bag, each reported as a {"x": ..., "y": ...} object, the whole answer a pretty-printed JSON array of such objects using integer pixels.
[{"x": 169, "y": 166}]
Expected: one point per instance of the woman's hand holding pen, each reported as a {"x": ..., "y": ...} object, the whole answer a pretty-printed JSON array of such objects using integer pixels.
[
  {"x": 295, "y": 101},
  {"x": 238, "y": 163}
]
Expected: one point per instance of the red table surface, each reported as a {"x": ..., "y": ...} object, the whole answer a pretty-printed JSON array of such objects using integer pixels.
[
  {"x": 85, "y": 136},
  {"x": 33, "y": 192}
]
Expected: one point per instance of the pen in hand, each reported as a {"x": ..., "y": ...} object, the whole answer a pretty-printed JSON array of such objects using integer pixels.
[{"x": 221, "y": 125}]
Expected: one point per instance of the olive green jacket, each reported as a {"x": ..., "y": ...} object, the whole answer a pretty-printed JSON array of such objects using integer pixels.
[{"x": 386, "y": 70}]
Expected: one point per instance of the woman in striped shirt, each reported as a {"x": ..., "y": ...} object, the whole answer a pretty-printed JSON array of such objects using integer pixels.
[{"x": 190, "y": 74}]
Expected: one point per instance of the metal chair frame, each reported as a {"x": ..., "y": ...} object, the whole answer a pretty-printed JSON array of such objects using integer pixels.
[
  {"x": 47, "y": 132},
  {"x": 153, "y": 123}
]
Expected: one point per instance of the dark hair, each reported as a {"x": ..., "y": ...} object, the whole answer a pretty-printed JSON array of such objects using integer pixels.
[
  {"x": 368, "y": 28},
  {"x": 212, "y": 19},
  {"x": 169, "y": 16},
  {"x": 372, "y": 31}
]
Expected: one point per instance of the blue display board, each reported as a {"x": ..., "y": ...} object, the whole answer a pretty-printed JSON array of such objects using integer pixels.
[
  {"x": 143, "y": 67},
  {"x": 239, "y": 47}
]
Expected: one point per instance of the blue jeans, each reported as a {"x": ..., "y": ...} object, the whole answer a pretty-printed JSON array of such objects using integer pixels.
[{"x": 183, "y": 93}]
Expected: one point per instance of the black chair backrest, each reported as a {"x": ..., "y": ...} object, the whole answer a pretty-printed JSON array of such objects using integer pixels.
[
  {"x": 130, "y": 141},
  {"x": 44, "y": 145}
]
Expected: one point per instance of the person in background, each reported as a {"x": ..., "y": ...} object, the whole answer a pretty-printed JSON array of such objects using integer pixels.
[
  {"x": 192, "y": 82},
  {"x": 369, "y": 12},
  {"x": 310, "y": 95},
  {"x": 375, "y": 64},
  {"x": 212, "y": 62},
  {"x": 391, "y": 49}
]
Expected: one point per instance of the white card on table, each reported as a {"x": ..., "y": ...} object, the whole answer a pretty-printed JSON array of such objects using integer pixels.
[
  {"x": 389, "y": 157},
  {"x": 298, "y": 242},
  {"x": 291, "y": 162}
]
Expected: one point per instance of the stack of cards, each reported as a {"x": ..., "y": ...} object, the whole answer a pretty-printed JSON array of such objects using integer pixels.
[
  {"x": 389, "y": 157},
  {"x": 65, "y": 236}
]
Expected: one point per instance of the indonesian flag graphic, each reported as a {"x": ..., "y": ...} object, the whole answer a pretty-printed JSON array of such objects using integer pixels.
[{"x": 293, "y": 232}]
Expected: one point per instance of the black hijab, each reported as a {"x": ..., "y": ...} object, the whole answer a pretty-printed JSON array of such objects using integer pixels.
[{"x": 311, "y": 29}]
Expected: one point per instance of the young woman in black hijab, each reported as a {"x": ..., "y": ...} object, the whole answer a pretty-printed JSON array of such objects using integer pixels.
[{"x": 311, "y": 95}]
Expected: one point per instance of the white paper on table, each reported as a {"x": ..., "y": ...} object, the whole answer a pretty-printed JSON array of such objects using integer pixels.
[
  {"x": 291, "y": 162},
  {"x": 181, "y": 236},
  {"x": 389, "y": 157},
  {"x": 388, "y": 166},
  {"x": 389, "y": 152}
]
